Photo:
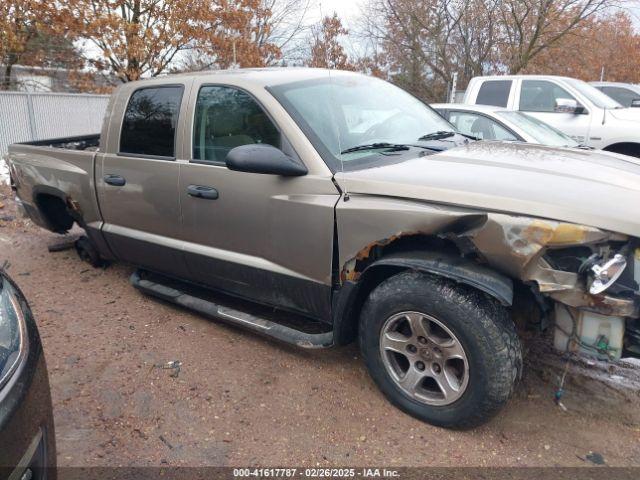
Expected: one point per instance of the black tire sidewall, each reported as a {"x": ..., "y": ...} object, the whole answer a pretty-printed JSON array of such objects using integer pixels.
[
  {"x": 87, "y": 252},
  {"x": 423, "y": 293}
]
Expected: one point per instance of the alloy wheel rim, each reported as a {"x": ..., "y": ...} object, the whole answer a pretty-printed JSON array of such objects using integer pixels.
[{"x": 424, "y": 358}]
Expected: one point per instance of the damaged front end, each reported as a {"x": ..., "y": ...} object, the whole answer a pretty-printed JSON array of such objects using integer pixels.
[
  {"x": 590, "y": 275},
  {"x": 583, "y": 278}
]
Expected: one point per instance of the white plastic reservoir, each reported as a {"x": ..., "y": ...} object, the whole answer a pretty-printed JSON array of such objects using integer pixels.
[{"x": 591, "y": 328}]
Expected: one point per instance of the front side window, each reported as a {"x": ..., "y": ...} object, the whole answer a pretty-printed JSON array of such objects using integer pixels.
[
  {"x": 541, "y": 96},
  {"x": 480, "y": 126},
  {"x": 150, "y": 121},
  {"x": 226, "y": 118},
  {"x": 494, "y": 92}
]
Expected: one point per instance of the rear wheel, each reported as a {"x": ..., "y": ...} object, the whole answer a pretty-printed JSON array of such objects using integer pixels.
[
  {"x": 89, "y": 253},
  {"x": 442, "y": 352}
]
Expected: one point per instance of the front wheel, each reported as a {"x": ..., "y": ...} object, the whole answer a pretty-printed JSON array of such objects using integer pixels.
[{"x": 440, "y": 351}]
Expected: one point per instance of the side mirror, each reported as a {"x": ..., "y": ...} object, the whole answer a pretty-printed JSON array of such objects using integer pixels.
[
  {"x": 635, "y": 102},
  {"x": 568, "y": 105},
  {"x": 263, "y": 158}
]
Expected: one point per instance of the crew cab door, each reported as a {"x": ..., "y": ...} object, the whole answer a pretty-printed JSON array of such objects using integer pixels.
[
  {"x": 263, "y": 237},
  {"x": 137, "y": 181},
  {"x": 538, "y": 98}
]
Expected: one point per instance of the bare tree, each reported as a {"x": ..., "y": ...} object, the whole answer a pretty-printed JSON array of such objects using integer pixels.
[
  {"x": 265, "y": 38},
  {"x": 284, "y": 27},
  {"x": 427, "y": 41},
  {"x": 528, "y": 27}
]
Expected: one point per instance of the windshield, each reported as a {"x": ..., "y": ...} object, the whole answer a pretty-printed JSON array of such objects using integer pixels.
[
  {"x": 594, "y": 95},
  {"x": 542, "y": 133},
  {"x": 342, "y": 112}
]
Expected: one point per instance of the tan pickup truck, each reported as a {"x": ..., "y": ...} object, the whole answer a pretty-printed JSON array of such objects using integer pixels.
[{"x": 319, "y": 207}]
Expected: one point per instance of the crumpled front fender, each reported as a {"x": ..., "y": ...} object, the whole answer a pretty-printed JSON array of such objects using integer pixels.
[{"x": 455, "y": 268}]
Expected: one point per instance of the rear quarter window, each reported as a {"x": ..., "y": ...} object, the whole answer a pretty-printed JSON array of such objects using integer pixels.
[
  {"x": 494, "y": 92},
  {"x": 150, "y": 121}
]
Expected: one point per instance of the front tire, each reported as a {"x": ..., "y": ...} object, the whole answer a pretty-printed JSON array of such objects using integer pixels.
[{"x": 443, "y": 352}]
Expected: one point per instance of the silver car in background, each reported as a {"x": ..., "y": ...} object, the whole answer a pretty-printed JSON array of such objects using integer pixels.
[{"x": 486, "y": 122}]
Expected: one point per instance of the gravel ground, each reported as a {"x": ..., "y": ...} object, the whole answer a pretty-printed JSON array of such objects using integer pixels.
[{"x": 241, "y": 400}]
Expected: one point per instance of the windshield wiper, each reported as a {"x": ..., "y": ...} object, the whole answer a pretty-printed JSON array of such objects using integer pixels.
[
  {"x": 376, "y": 146},
  {"x": 470, "y": 137},
  {"x": 440, "y": 134}
]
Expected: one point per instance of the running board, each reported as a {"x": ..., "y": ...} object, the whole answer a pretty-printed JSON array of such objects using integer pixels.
[{"x": 230, "y": 315}]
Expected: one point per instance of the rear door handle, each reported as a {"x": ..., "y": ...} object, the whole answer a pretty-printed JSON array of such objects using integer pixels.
[
  {"x": 200, "y": 191},
  {"x": 115, "y": 180}
]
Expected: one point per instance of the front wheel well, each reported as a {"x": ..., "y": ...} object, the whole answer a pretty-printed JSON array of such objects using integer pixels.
[
  {"x": 624, "y": 148},
  {"x": 347, "y": 323},
  {"x": 55, "y": 213},
  {"x": 448, "y": 267}
]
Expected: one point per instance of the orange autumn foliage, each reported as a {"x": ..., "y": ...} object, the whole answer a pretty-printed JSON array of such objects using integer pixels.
[
  {"x": 608, "y": 43},
  {"x": 326, "y": 49},
  {"x": 138, "y": 38}
]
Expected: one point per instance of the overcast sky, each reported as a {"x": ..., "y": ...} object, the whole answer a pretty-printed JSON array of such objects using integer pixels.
[
  {"x": 349, "y": 9},
  {"x": 346, "y": 9}
]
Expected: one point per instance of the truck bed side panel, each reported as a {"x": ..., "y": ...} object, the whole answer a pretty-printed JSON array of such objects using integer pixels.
[{"x": 67, "y": 174}]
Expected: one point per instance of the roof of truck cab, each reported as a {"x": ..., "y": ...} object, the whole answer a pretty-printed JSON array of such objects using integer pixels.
[
  {"x": 516, "y": 77},
  {"x": 260, "y": 76}
]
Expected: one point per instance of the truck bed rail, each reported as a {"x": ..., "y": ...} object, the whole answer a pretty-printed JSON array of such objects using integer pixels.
[{"x": 80, "y": 142}]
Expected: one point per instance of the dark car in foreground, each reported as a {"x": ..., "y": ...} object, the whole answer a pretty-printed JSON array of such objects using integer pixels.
[{"x": 27, "y": 445}]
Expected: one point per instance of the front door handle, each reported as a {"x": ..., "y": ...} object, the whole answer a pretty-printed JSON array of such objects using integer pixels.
[
  {"x": 115, "y": 180},
  {"x": 200, "y": 191}
]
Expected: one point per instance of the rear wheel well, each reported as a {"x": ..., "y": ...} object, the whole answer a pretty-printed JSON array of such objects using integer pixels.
[
  {"x": 625, "y": 148},
  {"x": 55, "y": 213}
]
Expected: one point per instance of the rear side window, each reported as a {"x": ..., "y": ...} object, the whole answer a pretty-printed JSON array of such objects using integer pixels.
[
  {"x": 226, "y": 118},
  {"x": 494, "y": 92},
  {"x": 150, "y": 121}
]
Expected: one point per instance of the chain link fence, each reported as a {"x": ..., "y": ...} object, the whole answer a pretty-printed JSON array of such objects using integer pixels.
[{"x": 27, "y": 116}]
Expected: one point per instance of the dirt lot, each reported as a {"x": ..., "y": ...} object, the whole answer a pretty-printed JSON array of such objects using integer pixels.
[{"x": 243, "y": 400}]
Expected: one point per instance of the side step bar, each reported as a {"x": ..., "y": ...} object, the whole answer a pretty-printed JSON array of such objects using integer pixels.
[{"x": 233, "y": 316}]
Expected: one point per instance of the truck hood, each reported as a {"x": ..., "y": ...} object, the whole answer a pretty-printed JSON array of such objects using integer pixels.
[{"x": 587, "y": 187}]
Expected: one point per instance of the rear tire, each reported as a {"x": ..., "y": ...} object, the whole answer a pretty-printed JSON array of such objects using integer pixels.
[
  {"x": 464, "y": 366},
  {"x": 88, "y": 253}
]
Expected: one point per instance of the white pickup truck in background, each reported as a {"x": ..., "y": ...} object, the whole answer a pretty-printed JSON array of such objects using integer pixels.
[{"x": 572, "y": 106}]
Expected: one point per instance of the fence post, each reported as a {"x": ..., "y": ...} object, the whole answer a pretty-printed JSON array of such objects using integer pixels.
[{"x": 32, "y": 117}]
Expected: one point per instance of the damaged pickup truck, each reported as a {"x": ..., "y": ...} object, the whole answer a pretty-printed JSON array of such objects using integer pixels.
[{"x": 321, "y": 207}]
